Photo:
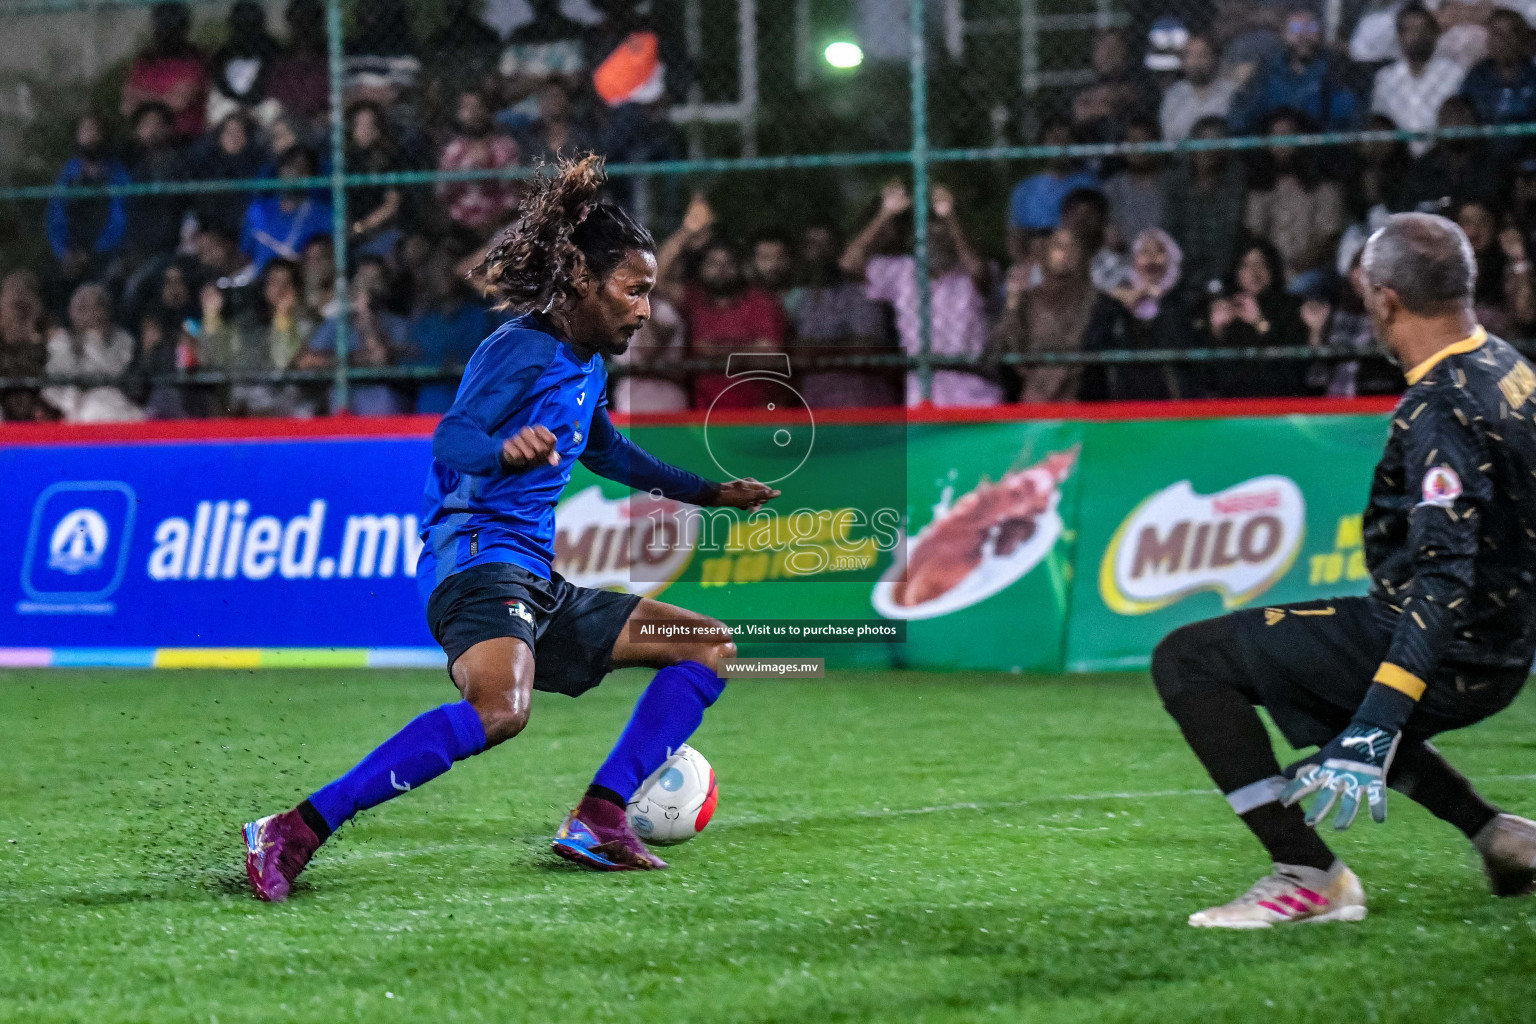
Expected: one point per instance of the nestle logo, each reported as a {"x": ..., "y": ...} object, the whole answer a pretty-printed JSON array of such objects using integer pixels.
[{"x": 1237, "y": 504}]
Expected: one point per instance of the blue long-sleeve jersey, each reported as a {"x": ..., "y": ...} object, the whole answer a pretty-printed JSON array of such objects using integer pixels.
[{"x": 477, "y": 512}]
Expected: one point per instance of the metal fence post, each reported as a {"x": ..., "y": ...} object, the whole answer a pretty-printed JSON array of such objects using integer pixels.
[
  {"x": 339, "y": 224},
  {"x": 920, "y": 196}
]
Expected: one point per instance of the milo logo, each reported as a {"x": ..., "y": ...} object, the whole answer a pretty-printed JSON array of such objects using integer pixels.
[
  {"x": 1237, "y": 542},
  {"x": 638, "y": 544}
]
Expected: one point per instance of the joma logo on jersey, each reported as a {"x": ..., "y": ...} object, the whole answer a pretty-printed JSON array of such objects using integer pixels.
[
  {"x": 520, "y": 610},
  {"x": 1177, "y": 542}
]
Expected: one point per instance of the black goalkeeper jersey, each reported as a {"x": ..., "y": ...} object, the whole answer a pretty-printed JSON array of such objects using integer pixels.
[{"x": 1450, "y": 532}]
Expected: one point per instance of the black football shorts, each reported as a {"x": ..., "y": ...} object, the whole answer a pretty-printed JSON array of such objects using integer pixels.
[
  {"x": 1310, "y": 665},
  {"x": 571, "y": 630}
]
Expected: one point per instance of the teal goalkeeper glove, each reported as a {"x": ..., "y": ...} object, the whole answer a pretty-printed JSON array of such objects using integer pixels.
[{"x": 1353, "y": 765}]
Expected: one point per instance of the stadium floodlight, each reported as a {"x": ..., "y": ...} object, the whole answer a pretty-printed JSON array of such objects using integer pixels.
[{"x": 843, "y": 54}]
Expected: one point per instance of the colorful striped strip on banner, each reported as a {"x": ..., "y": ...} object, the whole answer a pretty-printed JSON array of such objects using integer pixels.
[{"x": 221, "y": 657}]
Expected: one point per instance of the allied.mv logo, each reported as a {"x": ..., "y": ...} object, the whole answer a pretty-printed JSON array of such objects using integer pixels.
[
  {"x": 77, "y": 548},
  {"x": 79, "y": 542}
]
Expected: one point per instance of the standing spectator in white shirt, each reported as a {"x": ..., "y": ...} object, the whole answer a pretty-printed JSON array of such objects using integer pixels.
[
  {"x": 1411, "y": 90},
  {"x": 1200, "y": 93}
]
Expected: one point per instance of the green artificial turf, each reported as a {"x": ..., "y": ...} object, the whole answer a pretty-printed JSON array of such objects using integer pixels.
[{"x": 888, "y": 847}]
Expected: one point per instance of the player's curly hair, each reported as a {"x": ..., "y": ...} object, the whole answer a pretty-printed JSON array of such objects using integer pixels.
[{"x": 561, "y": 226}]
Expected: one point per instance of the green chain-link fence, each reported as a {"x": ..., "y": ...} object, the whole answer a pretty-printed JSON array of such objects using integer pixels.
[{"x": 372, "y": 142}]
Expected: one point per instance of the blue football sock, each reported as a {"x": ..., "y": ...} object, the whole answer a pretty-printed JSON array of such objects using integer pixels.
[
  {"x": 667, "y": 713},
  {"x": 423, "y": 750}
]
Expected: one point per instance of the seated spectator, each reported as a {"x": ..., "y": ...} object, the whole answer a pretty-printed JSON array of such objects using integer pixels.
[
  {"x": 1200, "y": 93},
  {"x": 300, "y": 76},
  {"x": 170, "y": 70},
  {"x": 1035, "y": 205},
  {"x": 92, "y": 345},
  {"x": 448, "y": 324},
  {"x": 171, "y": 295},
  {"x": 319, "y": 275},
  {"x": 1155, "y": 309},
  {"x": 1204, "y": 204},
  {"x": 382, "y": 61},
  {"x": 1411, "y": 90},
  {"x": 1454, "y": 171},
  {"x": 1118, "y": 94},
  {"x": 1503, "y": 297},
  {"x": 268, "y": 336},
  {"x": 278, "y": 226},
  {"x": 831, "y": 315},
  {"x": 375, "y": 337},
  {"x": 377, "y": 211},
  {"x": 86, "y": 234},
  {"x": 23, "y": 352},
  {"x": 653, "y": 383},
  {"x": 1347, "y": 325},
  {"x": 172, "y": 300},
  {"x": 1135, "y": 192},
  {"x": 242, "y": 67},
  {"x": 1306, "y": 80},
  {"x": 1255, "y": 311},
  {"x": 461, "y": 54},
  {"x": 773, "y": 264},
  {"x": 723, "y": 313},
  {"x": 1292, "y": 205},
  {"x": 1048, "y": 314},
  {"x": 154, "y": 221},
  {"x": 1463, "y": 35},
  {"x": 1372, "y": 185},
  {"x": 157, "y": 355},
  {"x": 548, "y": 49},
  {"x": 555, "y": 132},
  {"x": 1085, "y": 213},
  {"x": 229, "y": 153},
  {"x": 1502, "y": 88},
  {"x": 479, "y": 205},
  {"x": 219, "y": 259},
  {"x": 957, "y": 282}
]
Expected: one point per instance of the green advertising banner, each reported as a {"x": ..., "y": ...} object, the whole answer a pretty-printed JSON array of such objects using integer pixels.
[
  {"x": 960, "y": 532},
  {"x": 1012, "y": 545},
  {"x": 1184, "y": 520}
]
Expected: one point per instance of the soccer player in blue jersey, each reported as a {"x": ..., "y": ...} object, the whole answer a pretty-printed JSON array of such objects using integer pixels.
[{"x": 532, "y": 403}]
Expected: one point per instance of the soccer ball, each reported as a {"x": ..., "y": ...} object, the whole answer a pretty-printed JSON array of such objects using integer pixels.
[{"x": 676, "y": 802}]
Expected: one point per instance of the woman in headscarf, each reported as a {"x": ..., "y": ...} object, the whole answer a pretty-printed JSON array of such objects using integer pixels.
[
  {"x": 1154, "y": 309},
  {"x": 92, "y": 345},
  {"x": 1257, "y": 312}
]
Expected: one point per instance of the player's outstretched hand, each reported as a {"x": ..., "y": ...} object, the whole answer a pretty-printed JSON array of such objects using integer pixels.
[
  {"x": 746, "y": 493},
  {"x": 529, "y": 447},
  {"x": 1353, "y": 765}
]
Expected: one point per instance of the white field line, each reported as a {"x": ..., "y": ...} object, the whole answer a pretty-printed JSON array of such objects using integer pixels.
[{"x": 745, "y": 821}]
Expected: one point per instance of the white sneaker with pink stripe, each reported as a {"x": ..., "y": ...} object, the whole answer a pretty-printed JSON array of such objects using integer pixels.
[{"x": 1292, "y": 894}]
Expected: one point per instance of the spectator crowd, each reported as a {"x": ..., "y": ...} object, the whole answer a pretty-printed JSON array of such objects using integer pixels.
[{"x": 1211, "y": 249}]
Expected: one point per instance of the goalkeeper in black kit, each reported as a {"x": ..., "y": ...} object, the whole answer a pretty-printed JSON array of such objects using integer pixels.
[{"x": 1444, "y": 640}]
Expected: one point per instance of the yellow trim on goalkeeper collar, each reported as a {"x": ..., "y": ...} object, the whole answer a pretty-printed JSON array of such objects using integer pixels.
[
  {"x": 1400, "y": 679},
  {"x": 1470, "y": 343}
]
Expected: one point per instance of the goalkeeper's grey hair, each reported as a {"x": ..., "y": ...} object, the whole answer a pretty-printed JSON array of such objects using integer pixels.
[{"x": 1427, "y": 260}]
